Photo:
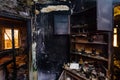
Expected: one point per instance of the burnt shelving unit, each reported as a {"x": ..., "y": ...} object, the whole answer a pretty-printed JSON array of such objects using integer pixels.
[
  {"x": 10, "y": 63},
  {"x": 91, "y": 42}
]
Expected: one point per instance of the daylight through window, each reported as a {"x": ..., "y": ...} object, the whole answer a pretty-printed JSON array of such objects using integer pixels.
[{"x": 8, "y": 38}]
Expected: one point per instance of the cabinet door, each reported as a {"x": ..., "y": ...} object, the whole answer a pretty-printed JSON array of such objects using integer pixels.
[{"x": 104, "y": 15}]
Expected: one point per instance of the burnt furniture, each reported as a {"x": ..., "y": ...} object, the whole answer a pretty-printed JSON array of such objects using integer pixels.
[
  {"x": 5, "y": 60},
  {"x": 9, "y": 57},
  {"x": 69, "y": 74},
  {"x": 91, "y": 41}
]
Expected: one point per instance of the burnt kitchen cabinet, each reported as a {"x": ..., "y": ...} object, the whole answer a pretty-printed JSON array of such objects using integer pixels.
[
  {"x": 91, "y": 41},
  {"x": 92, "y": 51},
  {"x": 95, "y": 14}
]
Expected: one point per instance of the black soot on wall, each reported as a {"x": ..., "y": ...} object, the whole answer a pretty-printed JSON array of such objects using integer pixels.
[{"x": 52, "y": 50}]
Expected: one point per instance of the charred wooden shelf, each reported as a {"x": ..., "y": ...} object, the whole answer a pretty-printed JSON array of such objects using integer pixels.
[
  {"x": 84, "y": 10},
  {"x": 12, "y": 15},
  {"x": 75, "y": 74},
  {"x": 116, "y": 67},
  {"x": 79, "y": 35},
  {"x": 90, "y": 32},
  {"x": 80, "y": 26},
  {"x": 90, "y": 56},
  {"x": 86, "y": 42},
  {"x": 5, "y": 61}
]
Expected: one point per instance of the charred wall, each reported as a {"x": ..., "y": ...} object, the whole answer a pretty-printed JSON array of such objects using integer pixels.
[{"x": 52, "y": 50}]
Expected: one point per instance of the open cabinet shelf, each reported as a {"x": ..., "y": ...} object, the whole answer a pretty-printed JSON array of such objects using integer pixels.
[
  {"x": 96, "y": 52},
  {"x": 88, "y": 55},
  {"x": 90, "y": 44},
  {"x": 85, "y": 42}
]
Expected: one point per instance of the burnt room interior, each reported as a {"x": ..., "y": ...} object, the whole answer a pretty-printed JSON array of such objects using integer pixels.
[
  {"x": 14, "y": 48},
  {"x": 60, "y": 40}
]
